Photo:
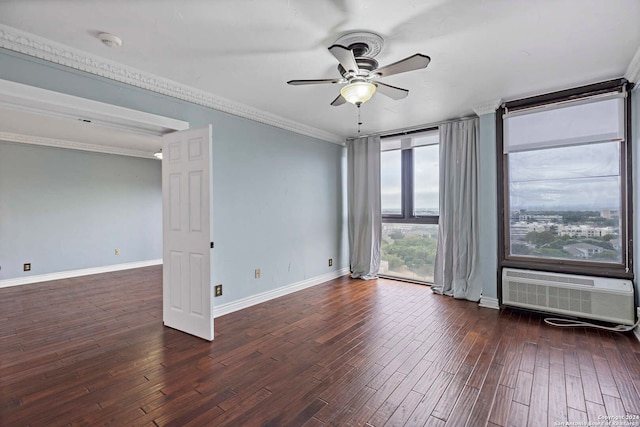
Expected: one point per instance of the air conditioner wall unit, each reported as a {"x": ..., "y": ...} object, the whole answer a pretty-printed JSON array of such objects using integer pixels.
[{"x": 610, "y": 300}]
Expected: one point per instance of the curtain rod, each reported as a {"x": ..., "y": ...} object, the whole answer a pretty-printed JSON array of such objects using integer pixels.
[{"x": 413, "y": 129}]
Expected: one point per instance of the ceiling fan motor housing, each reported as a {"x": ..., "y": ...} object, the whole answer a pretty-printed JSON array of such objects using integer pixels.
[{"x": 364, "y": 63}]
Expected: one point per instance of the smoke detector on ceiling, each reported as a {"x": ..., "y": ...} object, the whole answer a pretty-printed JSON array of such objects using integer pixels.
[{"x": 110, "y": 40}]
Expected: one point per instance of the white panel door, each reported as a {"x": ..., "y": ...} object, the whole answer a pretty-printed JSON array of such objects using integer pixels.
[{"x": 186, "y": 228}]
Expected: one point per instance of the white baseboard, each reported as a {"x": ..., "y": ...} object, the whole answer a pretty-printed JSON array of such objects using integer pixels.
[
  {"x": 247, "y": 302},
  {"x": 489, "y": 302},
  {"x": 76, "y": 273},
  {"x": 636, "y": 332}
]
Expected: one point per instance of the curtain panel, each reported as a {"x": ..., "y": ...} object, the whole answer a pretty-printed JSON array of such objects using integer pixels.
[
  {"x": 364, "y": 206},
  {"x": 457, "y": 268}
]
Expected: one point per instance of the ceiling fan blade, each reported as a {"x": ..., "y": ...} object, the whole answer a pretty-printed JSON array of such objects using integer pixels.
[
  {"x": 314, "y": 82},
  {"x": 338, "y": 101},
  {"x": 391, "y": 91},
  {"x": 345, "y": 57},
  {"x": 411, "y": 63}
]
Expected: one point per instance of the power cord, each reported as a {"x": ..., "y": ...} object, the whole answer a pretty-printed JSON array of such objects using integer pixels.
[{"x": 566, "y": 323}]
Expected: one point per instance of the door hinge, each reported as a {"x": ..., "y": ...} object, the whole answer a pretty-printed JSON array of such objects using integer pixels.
[{"x": 211, "y": 245}]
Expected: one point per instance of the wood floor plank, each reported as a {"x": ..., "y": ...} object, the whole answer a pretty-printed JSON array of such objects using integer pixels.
[
  {"x": 591, "y": 387},
  {"x": 433, "y": 422},
  {"x": 614, "y": 406},
  {"x": 518, "y": 415},
  {"x": 528, "y": 360},
  {"x": 432, "y": 396},
  {"x": 511, "y": 369},
  {"x": 395, "y": 399},
  {"x": 629, "y": 395},
  {"x": 543, "y": 353},
  {"x": 577, "y": 417},
  {"x": 605, "y": 377},
  {"x": 348, "y": 411},
  {"x": 93, "y": 351},
  {"x": 404, "y": 409},
  {"x": 502, "y": 405},
  {"x": 575, "y": 394},
  {"x": 452, "y": 393},
  {"x": 463, "y": 408},
  {"x": 306, "y": 414},
  {"x": 480, "y": 412},
  {"x": 595, "y": 411},
  {"x": 482, "y": 365},
  {"x": 522, "y": 392},
  {"x": 557, "y": 410},
  {"x": 366, "y": 411},
  {"x": 539, "y": 404},
  {"x": 571, "y": 361}
]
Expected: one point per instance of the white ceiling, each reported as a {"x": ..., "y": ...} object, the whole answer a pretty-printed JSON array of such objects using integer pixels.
[{"x": 246, "y": 50}]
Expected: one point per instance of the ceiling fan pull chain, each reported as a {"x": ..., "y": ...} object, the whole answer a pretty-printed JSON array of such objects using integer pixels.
[{"x": 359, "y": 121}]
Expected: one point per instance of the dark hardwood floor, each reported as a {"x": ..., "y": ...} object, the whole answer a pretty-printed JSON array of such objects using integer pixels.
[{"x": 93, "y": 351}]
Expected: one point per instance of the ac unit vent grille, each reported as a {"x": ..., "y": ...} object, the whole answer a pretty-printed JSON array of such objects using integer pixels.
[
  {"x": 550, "y": 278},
  {"x": 528, "y": 293},
  {"x": 570, "y": 299}
]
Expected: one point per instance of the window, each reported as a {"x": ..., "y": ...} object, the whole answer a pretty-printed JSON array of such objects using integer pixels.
[
  {"x": 410, "y": 205},
  {"x": 565, "y": 189}
]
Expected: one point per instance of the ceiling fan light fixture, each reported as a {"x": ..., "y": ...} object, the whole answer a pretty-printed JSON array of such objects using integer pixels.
[{"x": 358, "y": 92}]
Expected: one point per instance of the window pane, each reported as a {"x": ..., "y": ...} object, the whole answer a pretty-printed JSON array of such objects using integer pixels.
[
  {"x": 565, "y": 203},
  {"x": 409, "y": 251},
  {"x": 426, "y": 180},
  {"x": 391, "y": 182},
  {"x": 585, "y": 122}
]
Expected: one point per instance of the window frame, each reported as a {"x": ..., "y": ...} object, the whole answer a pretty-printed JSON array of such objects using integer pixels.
[
  {"x": 624, "y": 269},
  {"x": 407, "y": 193},
  {"x": 407, "y": 215}
]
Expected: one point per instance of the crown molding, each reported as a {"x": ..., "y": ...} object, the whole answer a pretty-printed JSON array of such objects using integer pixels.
[
  {"x": 487, "y": 107},
  {"x": 72, "y": 145},
  {"x": 39, "y": 47},
  {"x": 633, "y": 70}
]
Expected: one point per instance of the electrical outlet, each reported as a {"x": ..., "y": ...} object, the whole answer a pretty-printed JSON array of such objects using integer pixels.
[
  {"x": 330, "y": 262},
  {"x": 117, "y": 251},
  {"x": 217, "y": 290},
  {"x": 27, "y": 266},
  {"x": 257, "y": 273}
]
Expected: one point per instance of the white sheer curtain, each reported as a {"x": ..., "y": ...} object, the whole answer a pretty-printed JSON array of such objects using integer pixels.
[
  {"x": 365, "y": 217},
  {"x": 457, "y": 269}
]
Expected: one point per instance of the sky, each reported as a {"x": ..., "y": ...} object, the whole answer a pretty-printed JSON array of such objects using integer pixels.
[
  {"x": 568, "y": 166},
  {"x": 557, "y": 160},
  {"x": 584, "y": 177},
  {"x": 426, "y": 179}
]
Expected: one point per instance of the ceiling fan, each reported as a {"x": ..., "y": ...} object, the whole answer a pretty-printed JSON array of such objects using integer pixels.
[{"x": 360, "y": 72}]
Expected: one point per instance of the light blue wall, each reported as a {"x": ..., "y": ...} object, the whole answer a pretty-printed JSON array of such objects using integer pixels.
[
  {"x": 277, "y": 207},
  {"x": 488, "y": 205},
  {"x": 278, "y": 197},
  {"x": 67, "y": 210}
]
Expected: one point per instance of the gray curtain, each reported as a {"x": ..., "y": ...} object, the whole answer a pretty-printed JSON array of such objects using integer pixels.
[
  {"x": 457, "y": 269},
  {"x": 365, "y": 217}
]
